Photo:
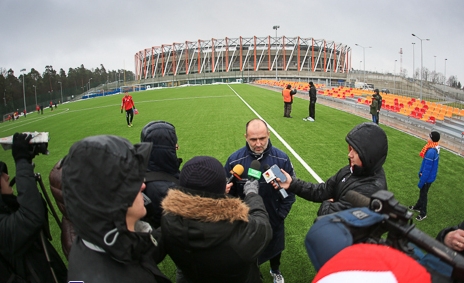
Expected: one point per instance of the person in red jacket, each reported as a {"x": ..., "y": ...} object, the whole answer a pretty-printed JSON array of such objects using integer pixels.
[{"x": 128, "y": 105}]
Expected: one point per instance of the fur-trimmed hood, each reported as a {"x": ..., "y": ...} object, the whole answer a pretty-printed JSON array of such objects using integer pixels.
[{"x": 205, "y": 209}]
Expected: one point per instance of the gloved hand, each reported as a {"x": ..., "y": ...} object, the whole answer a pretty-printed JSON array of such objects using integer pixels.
[
  {"x": 21, "y": 148},
  {"x": 121, "y": 110},
  {"x": 251, "y": 187},
  {"x": 133, "y": 107}
]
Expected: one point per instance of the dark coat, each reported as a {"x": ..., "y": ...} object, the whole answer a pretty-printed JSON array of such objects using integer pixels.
[
  {"x": 104, "y": 249},
  {"x": 214, "y": 238},
  {"x": 370, "y": 142},
  {"x": 22, "y": 220},
  {"x": 276, "y": 207},
  {"x": 312, "y": 94},
  {"x": 163, "y": 159}
]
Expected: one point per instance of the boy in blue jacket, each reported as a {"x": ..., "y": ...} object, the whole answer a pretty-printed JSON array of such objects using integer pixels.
[{"x": 427, "y": 173}]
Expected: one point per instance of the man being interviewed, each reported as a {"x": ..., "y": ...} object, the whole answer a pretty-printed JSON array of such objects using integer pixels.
[
  {"x": 212, "y": 237},
  {"x": 259, "y": 147}
]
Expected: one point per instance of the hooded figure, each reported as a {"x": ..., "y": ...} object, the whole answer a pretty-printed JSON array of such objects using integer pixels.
[
  {"x": 368, "y": 148},
  {"x": 163, "y": 164},
  {"x": 102, "y": 181}
]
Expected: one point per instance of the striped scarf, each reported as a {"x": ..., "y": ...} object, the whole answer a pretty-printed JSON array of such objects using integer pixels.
[{"x": 430, "y": 144}]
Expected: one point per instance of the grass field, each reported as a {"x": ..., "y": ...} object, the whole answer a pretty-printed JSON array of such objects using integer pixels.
[{"x": 210, "y": 120}]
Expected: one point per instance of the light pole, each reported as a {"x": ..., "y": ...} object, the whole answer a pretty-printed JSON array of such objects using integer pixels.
[
  {"x": 444, "y": 83},
  {"x": 276, "y": 27},
  {"x": 61, "y": 88},
  {"x": 364, "y": 58},
  {"x": 394, "y": 77},
  {"x": 24, "y": 89},
  {"x": 422, "y": 62},
  {"x": 413, "y": 70},
  {"x": 35, "y": 94},
  {"x": 89, "y": 85}
]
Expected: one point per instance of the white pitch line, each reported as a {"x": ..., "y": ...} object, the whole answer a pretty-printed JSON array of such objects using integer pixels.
[{"x": 296, "y": 155}]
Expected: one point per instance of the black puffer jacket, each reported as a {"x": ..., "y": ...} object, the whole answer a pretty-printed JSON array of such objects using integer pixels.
[
  {"x": 214, "y": 238},
  {"x": 370, "y": 142},
  {"x": 163, "y": 160}
]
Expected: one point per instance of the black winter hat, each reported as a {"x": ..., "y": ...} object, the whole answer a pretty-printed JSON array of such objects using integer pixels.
[
  {"x": 203, "y": 173},
  {"x": 435, "y": 136}
]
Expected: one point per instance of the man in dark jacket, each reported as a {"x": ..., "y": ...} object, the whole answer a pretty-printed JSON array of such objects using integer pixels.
[
  {"x": 210, "y": 236},
  {"x": 163, "y": 165},
  {"x": 259, "y": 147},
  {"x": 24, "y": 224},
  {"x": 312, "y": 103},
  {"x": 103, "y": 179},
  {"x": 378, "y": 97},
  {"x": 368, "y": 148}
]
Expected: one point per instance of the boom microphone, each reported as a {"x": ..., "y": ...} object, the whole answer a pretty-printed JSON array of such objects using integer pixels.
[
  {"x": 236, "y": 172},
  {"x": 356, "y": 199},
  {"x": 253, "y": 172}
]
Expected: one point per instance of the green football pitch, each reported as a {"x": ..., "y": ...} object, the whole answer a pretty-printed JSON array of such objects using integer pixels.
[{"x": 210, "y": 120}]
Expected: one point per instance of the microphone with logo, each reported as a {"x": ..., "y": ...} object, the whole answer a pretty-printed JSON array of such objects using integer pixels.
[
  {"x": 270, "y": 176},
  {"x": 235, "y": 173},
  {"x": 253, "y": 172}
]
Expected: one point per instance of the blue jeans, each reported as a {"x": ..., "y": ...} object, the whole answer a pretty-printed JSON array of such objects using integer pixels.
[{"x": 374, "y": 118}]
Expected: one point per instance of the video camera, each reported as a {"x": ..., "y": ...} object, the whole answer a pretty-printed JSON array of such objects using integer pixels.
[
  {"x": 39, "y": 142},
  {"x": 400, "y": 230}
]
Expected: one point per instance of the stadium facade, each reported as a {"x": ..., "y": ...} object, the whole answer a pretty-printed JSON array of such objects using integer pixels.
[{"x": 247, "y": 58}]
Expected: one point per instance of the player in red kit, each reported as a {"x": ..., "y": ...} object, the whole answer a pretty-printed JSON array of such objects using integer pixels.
[{"x": 128, "y": 105}]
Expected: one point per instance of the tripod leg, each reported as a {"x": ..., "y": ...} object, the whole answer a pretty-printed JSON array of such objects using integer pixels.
[{"x": 38, "y": 178}]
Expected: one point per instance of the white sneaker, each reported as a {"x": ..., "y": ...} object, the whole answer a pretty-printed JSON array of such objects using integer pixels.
[
  {"x": 304, "y": 119},
  {"x": 310, "y": 119},
  {"x": 278, "y": 278}
]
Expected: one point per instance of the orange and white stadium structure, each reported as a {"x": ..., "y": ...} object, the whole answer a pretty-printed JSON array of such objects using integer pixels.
[{"x": 243, "y": 59}]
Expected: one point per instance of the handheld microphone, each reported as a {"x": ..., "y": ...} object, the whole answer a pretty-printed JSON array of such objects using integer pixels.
[
  {"x": 270, "y": 176},
  {"x": 236, "y": 172},
  {"x": 253, "y": 172}
]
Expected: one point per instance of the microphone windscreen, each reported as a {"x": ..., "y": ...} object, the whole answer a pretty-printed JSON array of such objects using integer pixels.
[
  {"x": 255, "y": 164},
  {"x": 356, "y": 199},
  {"x": 238, "y": 169},
  {"x": 266, "y": 167}
]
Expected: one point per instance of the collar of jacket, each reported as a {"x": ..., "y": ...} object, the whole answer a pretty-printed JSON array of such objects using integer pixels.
[{"x": 204, "y": 208}]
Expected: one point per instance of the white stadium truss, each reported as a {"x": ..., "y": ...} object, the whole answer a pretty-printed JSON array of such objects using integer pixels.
[{"x": 240, "y": 54}]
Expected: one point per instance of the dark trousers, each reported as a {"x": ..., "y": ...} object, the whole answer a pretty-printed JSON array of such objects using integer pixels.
[
  {"x": 275, "y": 262},
  {"x": 312, "y": 109},
  {"x": 378, "y": 116},
  {"x": 129, "y": 116},
  {"x": 287, "y": 109},
  {"x": 421, "y": 204}
]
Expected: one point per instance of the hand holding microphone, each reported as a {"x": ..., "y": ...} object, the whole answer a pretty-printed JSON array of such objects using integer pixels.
[
  {"x": 272, "y": 174},
  {"x": 252, "y": 185},
  {"x": 235, "y": 173}
]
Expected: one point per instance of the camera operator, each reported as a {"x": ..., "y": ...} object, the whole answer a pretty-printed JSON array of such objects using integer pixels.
[{"x": 23, "y": 223}]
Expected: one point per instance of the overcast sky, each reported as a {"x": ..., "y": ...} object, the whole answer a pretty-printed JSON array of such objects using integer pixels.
[{"x": 68, "y": 33}]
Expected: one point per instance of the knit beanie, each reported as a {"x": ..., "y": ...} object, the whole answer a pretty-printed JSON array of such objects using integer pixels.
[
  {"x": 203, "y": 173},
  {"x": 435, "y": 136}
]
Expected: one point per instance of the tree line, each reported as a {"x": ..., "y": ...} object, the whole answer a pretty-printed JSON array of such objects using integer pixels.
[{"x": 54, "y": 86}]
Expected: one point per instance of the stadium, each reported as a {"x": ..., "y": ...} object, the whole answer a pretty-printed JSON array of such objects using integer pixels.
[{"x": 243, "y": 59}]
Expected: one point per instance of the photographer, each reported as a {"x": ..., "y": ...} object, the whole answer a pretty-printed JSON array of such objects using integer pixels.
[{"x": 23, "y": 222}]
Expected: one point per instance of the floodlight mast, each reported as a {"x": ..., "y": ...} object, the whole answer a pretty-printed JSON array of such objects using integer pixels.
[{"x": 276, "y": 27}]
